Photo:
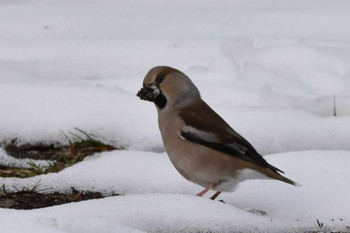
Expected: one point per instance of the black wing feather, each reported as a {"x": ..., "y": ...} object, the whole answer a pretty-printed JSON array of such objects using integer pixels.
[{"x": 234, "y": 149}]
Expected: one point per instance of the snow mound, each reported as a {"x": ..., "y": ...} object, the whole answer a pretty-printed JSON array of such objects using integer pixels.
[{"x": 157, "y": 199}]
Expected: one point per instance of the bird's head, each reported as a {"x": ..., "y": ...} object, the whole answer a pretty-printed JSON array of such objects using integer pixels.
[{"x": 164, "y": 85}]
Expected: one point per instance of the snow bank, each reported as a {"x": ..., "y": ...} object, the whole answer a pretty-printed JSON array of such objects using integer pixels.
[
  {"x": 157, "y": 199},
  {"x": 280, "y": 85},
  {"x": 121, "y": 119}
]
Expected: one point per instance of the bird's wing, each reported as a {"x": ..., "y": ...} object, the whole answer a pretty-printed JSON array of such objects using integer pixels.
[{"x": 204, "y": 126}]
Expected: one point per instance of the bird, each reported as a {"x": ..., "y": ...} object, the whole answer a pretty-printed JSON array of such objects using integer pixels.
[{"x": 203, "y": 148}]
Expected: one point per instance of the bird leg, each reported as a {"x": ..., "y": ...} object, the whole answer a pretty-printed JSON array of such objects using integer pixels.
[
  {"x": 204, "y": 191},
  {"x": 215, "y": 195}
]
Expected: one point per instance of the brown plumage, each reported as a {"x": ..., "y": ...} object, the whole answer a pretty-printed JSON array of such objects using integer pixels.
[{"x": 200, "y": 144}]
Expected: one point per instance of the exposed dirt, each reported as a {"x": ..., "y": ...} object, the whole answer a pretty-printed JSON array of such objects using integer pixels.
[
  {"x": 36, "y": 152},
  {"x": 30, "y": 199},
  {"x": 81, "y": 144},
  {"x": 77, "y": 150}
]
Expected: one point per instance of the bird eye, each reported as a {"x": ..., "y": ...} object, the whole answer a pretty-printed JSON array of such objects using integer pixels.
[{"x": 159, "y": 79}]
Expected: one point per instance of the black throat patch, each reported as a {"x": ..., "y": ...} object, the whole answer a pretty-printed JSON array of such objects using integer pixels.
[{"x": 160, "y": 101}]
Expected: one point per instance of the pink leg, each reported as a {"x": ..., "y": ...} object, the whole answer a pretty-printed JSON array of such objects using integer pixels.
[
  {"x": 204, "y": 191},
  {"x": 215, "y": 195}
]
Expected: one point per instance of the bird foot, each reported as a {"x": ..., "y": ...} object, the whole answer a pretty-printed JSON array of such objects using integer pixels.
[{"x": 215, "y": 195}]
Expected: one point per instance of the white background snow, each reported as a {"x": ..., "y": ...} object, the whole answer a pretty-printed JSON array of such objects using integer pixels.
[{"x": 277, "y": 71}]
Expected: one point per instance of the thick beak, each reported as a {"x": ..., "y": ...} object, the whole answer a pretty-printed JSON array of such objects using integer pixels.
[{"x": 148, "y": 93}]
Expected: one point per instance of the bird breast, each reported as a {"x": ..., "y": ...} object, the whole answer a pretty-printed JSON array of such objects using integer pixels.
[{"x": 197, "y": 163}]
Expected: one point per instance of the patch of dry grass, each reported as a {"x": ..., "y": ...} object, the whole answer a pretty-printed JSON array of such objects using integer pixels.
[{"x": 80, "y": 145}]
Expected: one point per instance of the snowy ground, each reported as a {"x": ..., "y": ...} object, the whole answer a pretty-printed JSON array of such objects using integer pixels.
[{"x": 277, "y": 71}]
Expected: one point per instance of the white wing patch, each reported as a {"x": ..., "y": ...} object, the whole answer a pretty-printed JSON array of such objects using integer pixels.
[
  {"x": 206, "y": 136},
  {"x": 211, "y": 138}
]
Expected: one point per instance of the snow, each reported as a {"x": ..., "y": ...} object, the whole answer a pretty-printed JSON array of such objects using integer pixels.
[
  {"x": 276, "y": 71},
  {"x": 156, "y": 199}
]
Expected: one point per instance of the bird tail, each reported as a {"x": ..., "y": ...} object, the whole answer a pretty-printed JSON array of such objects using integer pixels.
[
  {"x": 289, "y": 181},
  {"x": 276, "y": 175}
]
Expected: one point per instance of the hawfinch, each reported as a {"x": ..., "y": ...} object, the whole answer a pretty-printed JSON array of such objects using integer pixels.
[{"x": 201, "y": 145}]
